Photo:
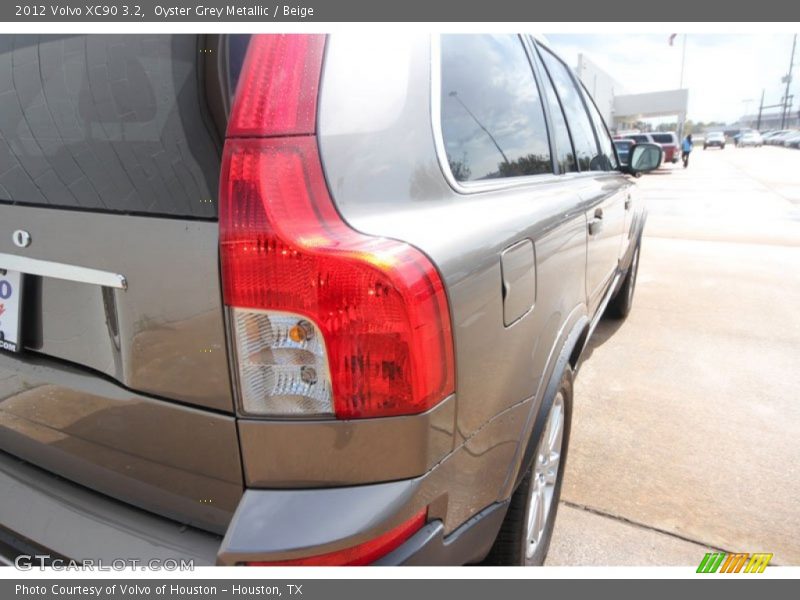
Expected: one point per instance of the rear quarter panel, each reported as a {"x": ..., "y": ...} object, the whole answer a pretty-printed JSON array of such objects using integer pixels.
[{"x": 378, "y": 150}]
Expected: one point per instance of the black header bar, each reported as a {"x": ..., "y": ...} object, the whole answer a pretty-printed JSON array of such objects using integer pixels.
[{"x": 475, "y": 11}]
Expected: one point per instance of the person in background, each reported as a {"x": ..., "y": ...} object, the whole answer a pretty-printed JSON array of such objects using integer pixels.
[{"x": 686, "y": 150}]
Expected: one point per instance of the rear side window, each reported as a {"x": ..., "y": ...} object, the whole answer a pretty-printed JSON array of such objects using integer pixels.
[
  {"x": 663, "y": 138},
  {"x": 491, "y": 114},
  {"x": 114, "y": 123},
  {"x": 579, "y": 124},
  {"x": 608, "y": 158}
]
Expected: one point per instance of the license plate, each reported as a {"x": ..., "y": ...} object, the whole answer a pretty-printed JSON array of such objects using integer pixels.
[{"x": 10, "y": 308}]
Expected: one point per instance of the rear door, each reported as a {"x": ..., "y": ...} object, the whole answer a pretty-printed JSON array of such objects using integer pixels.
[
  {"x": 109, "y": 163},
  {"x": 602, "y": 189},
  {"x": 610, "y": 163}
]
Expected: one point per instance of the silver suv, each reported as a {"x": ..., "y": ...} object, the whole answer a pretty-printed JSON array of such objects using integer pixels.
[{"x": 298, "y": 299}]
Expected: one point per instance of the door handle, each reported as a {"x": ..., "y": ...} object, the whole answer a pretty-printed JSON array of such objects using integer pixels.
[{"x": 596, "y": 224}]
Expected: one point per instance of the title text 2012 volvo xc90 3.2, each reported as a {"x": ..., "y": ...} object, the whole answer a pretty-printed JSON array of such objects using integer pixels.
[{"x": 298, "y": 299}]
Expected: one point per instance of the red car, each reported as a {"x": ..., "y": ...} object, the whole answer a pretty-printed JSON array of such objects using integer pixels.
[{"x": 667, "y": 140}]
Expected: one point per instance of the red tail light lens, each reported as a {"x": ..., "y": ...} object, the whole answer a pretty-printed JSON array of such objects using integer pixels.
[
  {"x": 363, "y": 554},
  {"x": 277, "y": 90},
  {"x": 379, "y": 304}
]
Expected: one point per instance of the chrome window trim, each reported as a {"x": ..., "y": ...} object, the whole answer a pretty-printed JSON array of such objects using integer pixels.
[{"x": 488, "y": 185}]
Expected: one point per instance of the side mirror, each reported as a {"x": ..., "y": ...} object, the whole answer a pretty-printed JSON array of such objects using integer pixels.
[{"x": 643, "y": 158}]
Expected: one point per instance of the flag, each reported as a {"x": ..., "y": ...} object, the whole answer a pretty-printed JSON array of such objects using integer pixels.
[{"x": 672, "y": 38}]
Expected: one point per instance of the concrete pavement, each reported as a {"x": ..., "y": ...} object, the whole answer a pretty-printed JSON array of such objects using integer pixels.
[{"x": 686, "y": 429}]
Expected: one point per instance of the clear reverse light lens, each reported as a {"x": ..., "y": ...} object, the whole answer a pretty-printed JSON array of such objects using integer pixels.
[{"x": 283, "y": 365}]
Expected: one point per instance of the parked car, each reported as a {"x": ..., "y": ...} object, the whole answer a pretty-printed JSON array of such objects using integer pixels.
[
  {"x": 642, "y": 138},
  {"x": 715, "y": 139},
  {"x": 776, "y": 138},
  {"x": 768, "y": 134},
  {"x": 750, "y": 138},
  {"x": 792, "y": 141},
  {"x": 639, "y": 138},
  {"x": 669, "y": 142},
  {"x": 273, "y": 320},
  {"x": 624, "y": 148},
  {"x": 787, "y": 138}
]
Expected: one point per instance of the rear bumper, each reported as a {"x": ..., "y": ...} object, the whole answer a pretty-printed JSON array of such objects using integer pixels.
[
  {"x": 276, "y": 525},
  {"x": 42, "y": 515},
  {"x": 670, "y": 153}
]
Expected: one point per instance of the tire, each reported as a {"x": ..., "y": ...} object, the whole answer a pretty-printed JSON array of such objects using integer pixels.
[
  {"x": 705, "y": 147},
  {"x": 620, "y": 305},
  {"x": 722, "y": 147},
  {"x": 513, "y": 546}
]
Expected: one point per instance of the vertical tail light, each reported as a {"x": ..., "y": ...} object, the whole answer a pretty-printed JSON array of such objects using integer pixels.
[{"x": 326, "y": 320}]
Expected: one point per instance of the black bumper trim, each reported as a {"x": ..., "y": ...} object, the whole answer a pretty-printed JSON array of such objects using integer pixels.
[{"x": 468, "y": 544}]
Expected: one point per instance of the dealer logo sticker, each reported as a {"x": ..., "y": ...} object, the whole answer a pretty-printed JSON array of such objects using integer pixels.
[{"x": 725, "y": 562}]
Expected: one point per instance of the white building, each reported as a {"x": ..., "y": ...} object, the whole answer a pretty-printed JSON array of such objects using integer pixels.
[{"x": 620, "y": 109}]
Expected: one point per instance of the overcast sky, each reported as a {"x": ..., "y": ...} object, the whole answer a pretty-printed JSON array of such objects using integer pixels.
[{"x": 721, "y": 70}]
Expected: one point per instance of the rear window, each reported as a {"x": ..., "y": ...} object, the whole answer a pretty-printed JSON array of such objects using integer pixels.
[
  {"x": 663, "y": 138},
  {"x": 492, "y": 117},
  {"x": 117, "y": 123}
]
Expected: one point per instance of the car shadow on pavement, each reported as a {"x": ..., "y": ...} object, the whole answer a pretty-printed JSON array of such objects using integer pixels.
[{"x": 606, "y": 328}]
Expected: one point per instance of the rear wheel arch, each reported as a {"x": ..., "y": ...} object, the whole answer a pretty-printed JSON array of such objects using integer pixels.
[
  {"x": 561, "y": 367},
  {"x": 580, "y": 344},
  {"x": 525, "y": 534},
  {"x": 568, "y": 356}
]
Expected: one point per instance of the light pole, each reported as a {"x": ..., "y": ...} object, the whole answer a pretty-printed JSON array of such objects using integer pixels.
[
  {"x": 682, "y": 123},
  {"x": 683, "y": 61},
  {"x": 788, "y": 80}
]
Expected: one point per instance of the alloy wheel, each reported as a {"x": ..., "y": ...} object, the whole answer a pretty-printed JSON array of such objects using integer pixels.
[{"x": 545, "y": 476}]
